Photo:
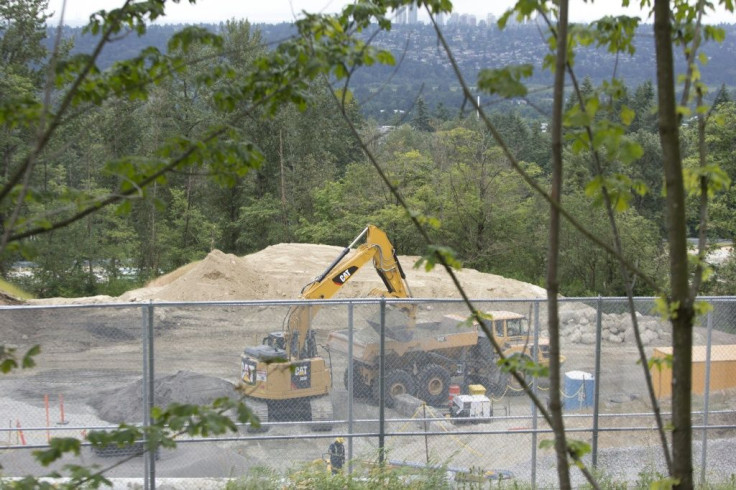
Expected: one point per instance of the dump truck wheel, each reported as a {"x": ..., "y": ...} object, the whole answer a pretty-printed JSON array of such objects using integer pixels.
[
  {"x": 360, "y": 388},
  {"x": 515, "y": 389},
  {"x": 434, "y": 385},
  {"x": 397, "y": 382},
  {"x": 499, "y": 384}
]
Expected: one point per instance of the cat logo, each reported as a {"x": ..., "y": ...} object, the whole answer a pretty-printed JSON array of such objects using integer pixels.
[
  {"x": 343, "y": 277},
  {"x": 301, "y": 377}
]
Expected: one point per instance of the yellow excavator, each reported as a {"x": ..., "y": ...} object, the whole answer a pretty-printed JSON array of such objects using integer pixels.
[{"x": 284, "y": 378}]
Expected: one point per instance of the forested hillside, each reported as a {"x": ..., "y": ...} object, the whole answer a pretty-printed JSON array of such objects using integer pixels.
[{"x": 314, "y": 184}]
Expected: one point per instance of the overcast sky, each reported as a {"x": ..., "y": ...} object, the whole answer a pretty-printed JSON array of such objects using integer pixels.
[{"x": 273, "y": 11}]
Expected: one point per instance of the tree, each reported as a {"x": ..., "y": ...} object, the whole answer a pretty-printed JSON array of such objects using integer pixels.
[
  {"x": 643, "y": 107},
  {"x": 22, "y": 30},
  {"x": 421, "y": 117},
  {"x": 722, "y": 97}
]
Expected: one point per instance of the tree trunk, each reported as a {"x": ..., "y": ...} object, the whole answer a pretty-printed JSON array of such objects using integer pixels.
[
  {"x": 283, "y": 178},
  {"x": 680, "y": 301},
  {"x": 553, "y": 255}
]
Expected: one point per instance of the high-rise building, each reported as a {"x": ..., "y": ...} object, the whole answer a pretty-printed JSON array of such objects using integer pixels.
[
  {"x": 412, "y": 14},
  {"x": 468, "y": 19},
  {"x": 400, "y": 16}
]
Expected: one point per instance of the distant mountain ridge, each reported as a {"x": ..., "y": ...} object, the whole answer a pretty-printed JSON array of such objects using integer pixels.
[{"x": 385, "y": 90}]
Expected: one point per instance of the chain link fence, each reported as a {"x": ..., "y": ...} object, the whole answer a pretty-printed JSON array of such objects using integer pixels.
[{"x": 423, "y": 391}]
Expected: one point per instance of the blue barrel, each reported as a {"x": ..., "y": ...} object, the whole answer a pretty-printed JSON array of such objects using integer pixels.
[{"x": 578, "y": 391}]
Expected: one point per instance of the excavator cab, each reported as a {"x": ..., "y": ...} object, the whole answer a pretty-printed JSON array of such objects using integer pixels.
[
  {"x": 277, "y": 343},
  {"x": 277, "y": 340}
]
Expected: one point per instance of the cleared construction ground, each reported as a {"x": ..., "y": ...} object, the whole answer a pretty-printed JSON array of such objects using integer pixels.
[{"x": 93, "y": 358}]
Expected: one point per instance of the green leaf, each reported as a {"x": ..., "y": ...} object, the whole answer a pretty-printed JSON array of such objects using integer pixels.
[
  {"x": 627, "y": 115},
  {"x": 665, "y": 308},
  {"x": 578, "y": 449},
  {"x": 434, "y": 255},
  {"x": 630, "y": 151},
  {"x": 702, "y": 307},
  {"x": 667, "y": 483},
  {"x": 660, "y": 362},
  {"x": 523, "y": 364},
  {"x": 717, "y": 34},
  {"x": 28, "y": 361},
  {"x": 547, "y": 444},
  {"x": 59, "y": 446},
  {"x": 506, "y": 81},
  {"x": 683, "y": 111}
]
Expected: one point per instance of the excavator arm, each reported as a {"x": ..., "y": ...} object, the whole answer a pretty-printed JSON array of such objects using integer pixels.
[{"x": 377, "y": 248}]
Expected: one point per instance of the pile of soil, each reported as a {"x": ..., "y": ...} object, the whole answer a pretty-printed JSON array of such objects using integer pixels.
[
  {"x": 281, "y": 271},
  {"x": 125, "y": 404}
]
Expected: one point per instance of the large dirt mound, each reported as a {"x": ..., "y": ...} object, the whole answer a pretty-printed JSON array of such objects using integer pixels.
[
  {"x": 218, "y": 277},
  {"x": 281, "y": 271}
]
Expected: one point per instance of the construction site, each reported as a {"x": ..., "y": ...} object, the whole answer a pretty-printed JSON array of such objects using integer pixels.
[{"x": 227, "y": 321}]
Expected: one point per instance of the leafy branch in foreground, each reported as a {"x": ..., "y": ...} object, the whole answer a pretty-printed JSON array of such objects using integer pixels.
[
  {"x": 167, "y": 425},
  {"x": 9, "y": 358}
]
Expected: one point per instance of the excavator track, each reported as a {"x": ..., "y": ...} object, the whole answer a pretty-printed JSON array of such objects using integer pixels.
[{"x": 322, "y": 411}]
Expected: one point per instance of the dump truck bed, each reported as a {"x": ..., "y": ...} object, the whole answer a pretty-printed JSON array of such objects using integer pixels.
[{"x": 426, "y": 337}]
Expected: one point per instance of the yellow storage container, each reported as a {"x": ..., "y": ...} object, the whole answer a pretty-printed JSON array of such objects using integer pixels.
[{"x": 722, "y": 370}]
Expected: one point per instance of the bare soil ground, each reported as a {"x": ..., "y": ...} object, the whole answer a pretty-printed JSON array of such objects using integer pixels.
[{"x": 93, "y": 357}]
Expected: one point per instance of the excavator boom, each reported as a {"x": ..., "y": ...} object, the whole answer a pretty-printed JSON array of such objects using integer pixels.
[{"x": 377, "y": 248}]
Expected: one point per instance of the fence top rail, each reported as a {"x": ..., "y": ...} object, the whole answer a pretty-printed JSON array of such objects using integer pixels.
[
  {"x": 333, "y": 301},
  {"x": 266, "y": 302}
]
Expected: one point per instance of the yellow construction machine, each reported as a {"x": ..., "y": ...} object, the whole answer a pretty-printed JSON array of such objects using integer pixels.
[
  {"x": 437, "y": 352},
  {"x": 284, "y": 378}
]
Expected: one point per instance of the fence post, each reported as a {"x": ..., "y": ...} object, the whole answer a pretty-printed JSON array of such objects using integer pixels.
[
  {"x": 706, "y": 398},
  {"x": 535, "y": 413},
  {"x": 351, "y": 388},
  {"x": 596, "y": 378},
  {"x": 381, "y": 386},
  {"x": 149, "y": 479}
]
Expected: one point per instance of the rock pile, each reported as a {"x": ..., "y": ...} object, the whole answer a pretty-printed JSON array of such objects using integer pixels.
[{"x": 578, "y": 326}]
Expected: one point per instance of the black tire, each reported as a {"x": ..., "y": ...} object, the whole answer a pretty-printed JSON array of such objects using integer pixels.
[
  {"x": 498, "y": 385},
  {"x": 360, "y": 388},
  {"x": 434, "y": 385},
  {"x": 397, "y": 382}
]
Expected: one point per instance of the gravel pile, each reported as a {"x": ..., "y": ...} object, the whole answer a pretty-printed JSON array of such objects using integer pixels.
[
  {"x": 126, "y": 404},
  {"x": 637, "y": 464}
]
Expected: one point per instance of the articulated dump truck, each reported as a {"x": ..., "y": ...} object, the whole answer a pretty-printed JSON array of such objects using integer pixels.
[{"x": 437, "y": 354}]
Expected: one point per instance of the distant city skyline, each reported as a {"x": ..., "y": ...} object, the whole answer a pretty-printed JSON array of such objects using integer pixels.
[{"x": 275, "y": 11}]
